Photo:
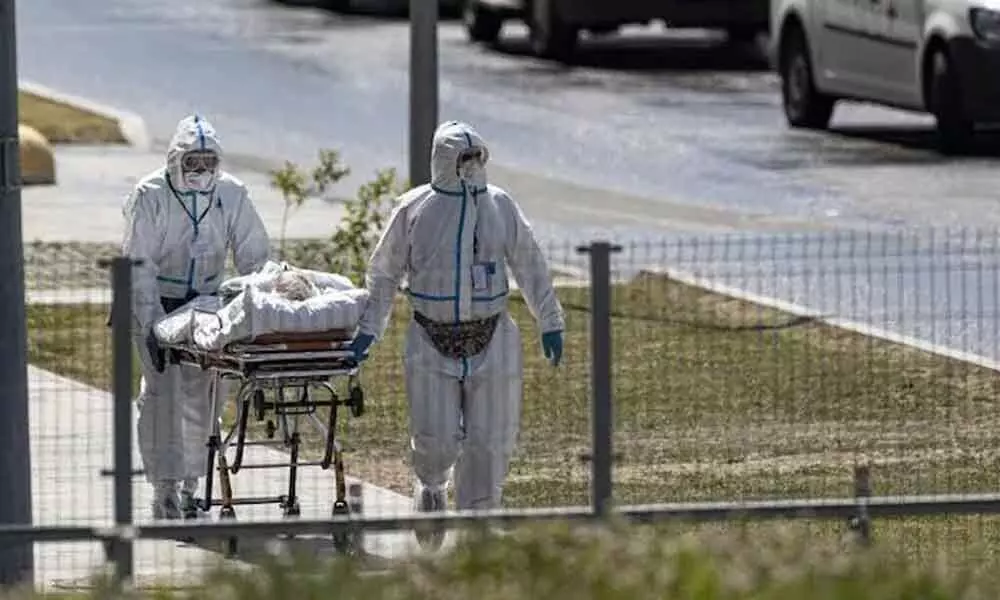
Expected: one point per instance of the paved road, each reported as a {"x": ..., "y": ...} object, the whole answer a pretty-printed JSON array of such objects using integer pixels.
[
  {"x": 675, "y": 135},
  {"x": 645, "y": 138}
]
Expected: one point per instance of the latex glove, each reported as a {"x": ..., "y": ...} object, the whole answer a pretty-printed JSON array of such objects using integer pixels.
[
  {"x": 360, "y": 344},
  {"x": 156, "y": 353},
  {"x": 552, "y": 346}
]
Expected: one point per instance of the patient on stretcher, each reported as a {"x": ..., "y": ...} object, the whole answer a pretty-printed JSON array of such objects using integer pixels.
[
  {"x": 294, "y": 286},
  {"x": 279, "y": 299}
]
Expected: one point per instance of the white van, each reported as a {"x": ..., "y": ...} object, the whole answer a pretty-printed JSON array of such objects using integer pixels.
[{"x": 935, "y": 56}]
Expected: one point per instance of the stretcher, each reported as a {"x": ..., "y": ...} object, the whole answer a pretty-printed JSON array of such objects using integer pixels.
[{"x": 283, "y": 378}]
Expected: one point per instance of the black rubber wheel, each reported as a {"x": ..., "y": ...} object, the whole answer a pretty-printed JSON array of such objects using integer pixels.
[
  {"x": 481, "y": 24},
  {"x": 954, "y": 128},
  {"x": 551, "y": 37},
  {"x": 804, "y": 105}
]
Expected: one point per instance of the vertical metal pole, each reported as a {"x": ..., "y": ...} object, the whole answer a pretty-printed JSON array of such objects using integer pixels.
[
  {"x": 423, "y": 87},
  {"x": 861, "y": 523},
  {"x": 121, "y": 323},
  {"x": 16, "y": 560},
  {"x": 600, "y": 347}
]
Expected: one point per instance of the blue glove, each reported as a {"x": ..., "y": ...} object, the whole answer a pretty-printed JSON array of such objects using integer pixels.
[
  {"x": 552, "y": 346},
  {"x": 360, "y": 345}
]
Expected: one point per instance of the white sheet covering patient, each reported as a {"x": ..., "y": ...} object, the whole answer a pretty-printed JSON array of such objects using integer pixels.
[{"x": 279, "y": 298}]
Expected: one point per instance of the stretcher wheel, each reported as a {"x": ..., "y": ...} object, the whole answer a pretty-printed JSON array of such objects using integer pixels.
[
  {"x": 293, "y": 511},
  {"x": 270, "y": 429},
  {"x": 343, "y": 541},
  {"x": 357, "y": 401},
  {"x": 228, "y": 513}
]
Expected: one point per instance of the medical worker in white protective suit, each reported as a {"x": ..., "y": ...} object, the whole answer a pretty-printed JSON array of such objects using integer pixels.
[
  {"x": 181, "y": 221},
  {"x": 453, "y": 240}
]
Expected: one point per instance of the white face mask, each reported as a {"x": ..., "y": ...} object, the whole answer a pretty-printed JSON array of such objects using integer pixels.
[
  {"x": 472, "y": 173},
  {"x": 472, "y": 169},
  {"x": 199, "y": 182}
]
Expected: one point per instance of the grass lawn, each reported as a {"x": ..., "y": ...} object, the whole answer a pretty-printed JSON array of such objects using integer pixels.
[
  {"x": 714, "y": 399},
  {"x": 61, "y": 123}
]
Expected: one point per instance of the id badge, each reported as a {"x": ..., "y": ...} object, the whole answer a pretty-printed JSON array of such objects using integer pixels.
[
  {"x": 200, "y": 247},
  {"x": 480, "y": 277}
]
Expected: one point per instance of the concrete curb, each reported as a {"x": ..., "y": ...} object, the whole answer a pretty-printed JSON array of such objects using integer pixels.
[{"x": 132, "y": 126}]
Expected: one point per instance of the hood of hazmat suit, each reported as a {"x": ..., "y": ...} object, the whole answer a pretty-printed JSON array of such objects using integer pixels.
[
  {"x": 451, "y": 175},
  {"x": 193, "y": 135},
  {"x": 182, "y": 236},
  {"x": 453, "y": 241}
]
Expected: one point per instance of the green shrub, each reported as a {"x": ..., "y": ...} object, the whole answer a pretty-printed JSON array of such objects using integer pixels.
[
  {"x": 348, "y": 249},
  {"x": 577, "y": 562}
]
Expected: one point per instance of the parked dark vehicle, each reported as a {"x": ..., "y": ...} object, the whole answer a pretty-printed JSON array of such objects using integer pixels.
[
  {"x": 555, "y": 25},
  {"x": 399, "y": 7}
]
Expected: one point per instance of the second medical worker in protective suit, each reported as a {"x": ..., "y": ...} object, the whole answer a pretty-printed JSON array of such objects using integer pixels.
[
  {"x": 181, "y": 221},
  {"x": 453, "y": 241}
]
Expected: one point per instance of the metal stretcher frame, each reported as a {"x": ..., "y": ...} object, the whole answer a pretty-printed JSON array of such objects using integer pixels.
[{"x": 277, "y": 364}]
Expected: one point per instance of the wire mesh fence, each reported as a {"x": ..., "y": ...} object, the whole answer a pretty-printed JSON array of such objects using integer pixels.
[{"x": 744, "y": 368}]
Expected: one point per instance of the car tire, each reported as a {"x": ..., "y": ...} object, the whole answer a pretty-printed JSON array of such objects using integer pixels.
[
  {"x": 954, "y": 129},
  {"x": 551, "y": 37},
  {"x": 805, "y": 106},
  {"x": 481, "y": 24}
]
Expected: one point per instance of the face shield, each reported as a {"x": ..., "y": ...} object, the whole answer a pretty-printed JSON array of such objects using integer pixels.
[{"x": 198, "y": 169}]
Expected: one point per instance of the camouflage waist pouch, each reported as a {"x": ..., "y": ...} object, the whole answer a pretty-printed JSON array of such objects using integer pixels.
[{"x": 459, "y": 340}]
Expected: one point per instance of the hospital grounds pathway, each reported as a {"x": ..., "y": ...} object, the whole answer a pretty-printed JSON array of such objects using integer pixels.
[{"x": 715, "y": 398}]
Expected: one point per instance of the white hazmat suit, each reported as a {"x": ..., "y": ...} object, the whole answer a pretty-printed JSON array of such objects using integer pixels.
[
  {"x": 182, "y": 224},
  {"x": 453, "y": 241}
]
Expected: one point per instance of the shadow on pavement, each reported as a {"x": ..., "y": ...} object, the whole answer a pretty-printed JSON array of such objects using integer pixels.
[
  {"x": 397, "y": 10},
  {"x": 986, "y": 143},
  {"x": 651, "y": 53},
  {"x": 258, "y": 550}
]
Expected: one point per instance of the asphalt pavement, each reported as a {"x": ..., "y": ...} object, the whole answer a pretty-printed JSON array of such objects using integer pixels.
[
  {"x": 653, "y": 136},
  {"x": 669, "y": 123}
]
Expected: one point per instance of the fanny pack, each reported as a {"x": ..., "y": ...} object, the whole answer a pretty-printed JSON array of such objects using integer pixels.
[{"x": 459, "y": 340}]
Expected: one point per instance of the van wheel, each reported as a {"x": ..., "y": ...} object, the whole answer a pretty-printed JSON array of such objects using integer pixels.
[
  {"x": 954, "y": 128},
  {"x": 551, "y": 37},
  {"x": 804, "y": 105},
  {"x": 481, "y": 23}
]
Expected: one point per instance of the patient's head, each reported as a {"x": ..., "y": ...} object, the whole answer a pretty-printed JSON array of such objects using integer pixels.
[{"x": 294, "y": 286}]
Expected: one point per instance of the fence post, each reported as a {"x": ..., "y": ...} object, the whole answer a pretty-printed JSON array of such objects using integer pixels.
[
  {"x": 16, "y": 559},
  {"x": 861, "y": 522},
  {"x": 121, "y": 550},
  {"x": 600, "y": 347},
  {"x": 355, "y": 503}
]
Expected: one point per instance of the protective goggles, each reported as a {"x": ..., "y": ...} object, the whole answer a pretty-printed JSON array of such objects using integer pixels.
[
  {"x": 479, "y": 155},
  {"x": 199, "y": 161}
]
